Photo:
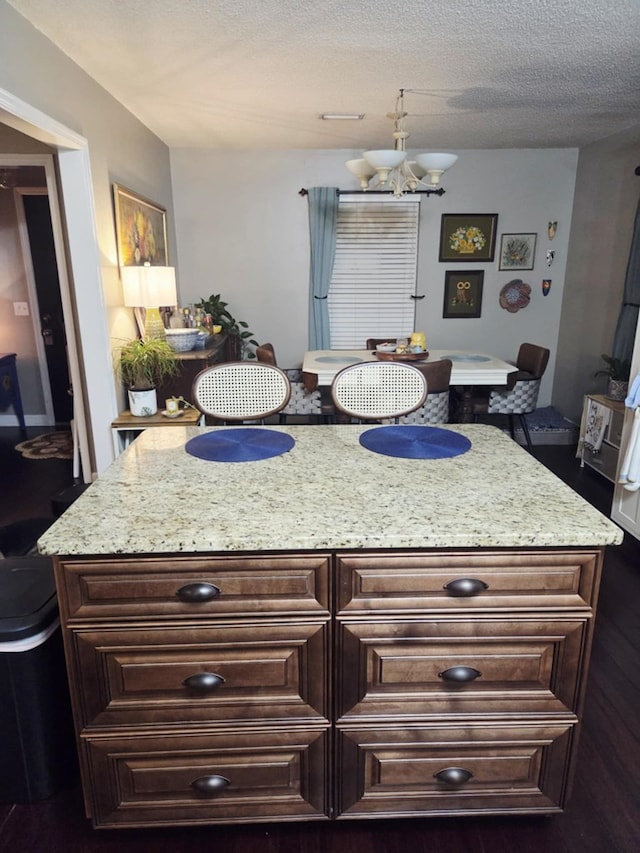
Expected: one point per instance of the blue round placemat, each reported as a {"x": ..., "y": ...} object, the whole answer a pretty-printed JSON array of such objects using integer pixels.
[
  {"x": 239, "y": 444},
  {"x": 338, "y": 359},
  {"x": 415, "y": 442},
  {"x": 455, "y": 357}
]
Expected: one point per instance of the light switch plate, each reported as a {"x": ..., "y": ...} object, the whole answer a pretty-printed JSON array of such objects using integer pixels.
[{"x": 21, "y": 309}]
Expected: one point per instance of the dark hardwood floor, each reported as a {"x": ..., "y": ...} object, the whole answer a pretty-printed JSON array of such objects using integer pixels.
[{"x": 603, "y": 815}]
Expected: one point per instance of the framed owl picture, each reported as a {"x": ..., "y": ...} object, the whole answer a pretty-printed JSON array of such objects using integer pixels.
[{"x": 462, "y": 293}]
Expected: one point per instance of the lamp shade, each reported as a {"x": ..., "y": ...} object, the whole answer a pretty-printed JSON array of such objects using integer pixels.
[
  {"x": 384, "y": 159},
  {"x": 149, "y": 287},
  {"x": 439, "y": 162}
]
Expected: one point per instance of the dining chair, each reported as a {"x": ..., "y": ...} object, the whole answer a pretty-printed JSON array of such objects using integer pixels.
[
  {"x": 236, "y": 391},
  {"x": 520, "y": 395},
  {"x": 436, "y": 409},
  {"x": 304, "y": 401},
  {"x": 377, "y": 390}
]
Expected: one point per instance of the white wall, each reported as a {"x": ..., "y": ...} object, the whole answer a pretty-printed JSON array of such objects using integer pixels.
[{"x": 242, "y": 231}]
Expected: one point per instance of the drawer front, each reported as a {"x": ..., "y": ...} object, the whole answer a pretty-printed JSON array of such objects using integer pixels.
[
  {"x": 426, "y": 668},
  {"x": 186, "y": 586},
  {"x": 212, "y": 778},
  {"x": 428, "y": 771},
  {"x": 460, "y": 581},
  {"x": 256, "y": 671}
]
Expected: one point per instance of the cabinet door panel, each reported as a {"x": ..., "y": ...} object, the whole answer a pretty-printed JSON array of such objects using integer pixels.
[
  {"x": 513, "y": 580},
  {"x": 169, "y": 780},
  {"x": 433, "y": 770},
  {"x": 434, "y": 667},
  {"x": 141, "y": 676},
  {"x": 129, "y": 587}
]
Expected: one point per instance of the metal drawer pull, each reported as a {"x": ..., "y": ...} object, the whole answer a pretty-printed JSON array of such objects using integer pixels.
[
  {"x": 210, "y": 784},
  {"x": 465, "y": 587},
  {"x": 195, "y": 592},
  {"x": 453, "y": 775},
  {"x": 460, "y": 674},
  {"x": 204, "y": 681}
]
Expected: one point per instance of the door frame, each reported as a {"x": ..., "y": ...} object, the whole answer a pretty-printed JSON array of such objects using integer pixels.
[
  {"x": 25, "y": 245},
  {"x": 90, "y": 367}
]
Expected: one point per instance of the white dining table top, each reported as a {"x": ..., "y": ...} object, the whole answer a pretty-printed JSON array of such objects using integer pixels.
[{"x": 468, "y": 366}]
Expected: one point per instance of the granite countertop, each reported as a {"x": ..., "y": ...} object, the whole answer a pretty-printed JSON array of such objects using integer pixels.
[{"x": 328, "y": 492}]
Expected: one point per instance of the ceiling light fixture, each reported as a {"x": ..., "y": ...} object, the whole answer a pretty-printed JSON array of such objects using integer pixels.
[
  {"x": 342, "y": 116},
  {"x": 389, "y": 170}
]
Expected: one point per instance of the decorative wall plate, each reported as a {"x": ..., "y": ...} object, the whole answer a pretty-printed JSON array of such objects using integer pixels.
[{"x": 515, "y": 295}]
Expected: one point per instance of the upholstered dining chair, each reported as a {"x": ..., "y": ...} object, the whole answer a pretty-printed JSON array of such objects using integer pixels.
[
  {"x": 520, "y": 396},
  {"x": 304, "y": 401},
  {"x": 377, "y": 390},
  {"x": 237, "y": 391},
  {"x": 436, "y": 408}
]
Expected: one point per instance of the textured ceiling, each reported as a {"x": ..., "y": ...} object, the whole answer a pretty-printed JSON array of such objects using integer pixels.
[{"x": 258, "y": 73}]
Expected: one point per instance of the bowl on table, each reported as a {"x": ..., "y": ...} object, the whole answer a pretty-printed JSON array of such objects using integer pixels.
[{"x": 181, "y": 340}]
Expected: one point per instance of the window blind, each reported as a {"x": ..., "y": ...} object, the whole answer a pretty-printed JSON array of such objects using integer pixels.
[{"x": 375, "y": 268}]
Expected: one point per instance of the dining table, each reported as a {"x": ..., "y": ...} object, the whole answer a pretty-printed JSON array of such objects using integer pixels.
[{"x": 468, "y": 369}]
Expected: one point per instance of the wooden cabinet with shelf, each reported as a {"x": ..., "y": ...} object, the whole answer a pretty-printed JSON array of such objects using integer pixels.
[{"x": 603, "y": 459}]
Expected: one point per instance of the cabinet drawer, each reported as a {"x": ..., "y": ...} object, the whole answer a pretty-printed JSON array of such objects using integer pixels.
[
  {"x": 171, "y": 586},
  {"x": 424, "y": 669},
  {"x": 208, "y": 778},
  {"x": 493, "y": 770},
  {"x": 252, "y": 672},
  {"x": 474, "y": 580}
]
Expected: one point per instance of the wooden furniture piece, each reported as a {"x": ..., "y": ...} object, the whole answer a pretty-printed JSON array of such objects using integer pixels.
[
  {"x": 605, "y": 459},
  {"x": 10, "y": 387},
  {"x": 330, "y": 634},
  {"x": 126, "y": 426},
  {"x": 221, "y": 349}
]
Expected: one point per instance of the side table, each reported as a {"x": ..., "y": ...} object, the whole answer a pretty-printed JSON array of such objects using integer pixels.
[
  {"x": 126, "y": 426},
  {"x": 10, "y": 387}
]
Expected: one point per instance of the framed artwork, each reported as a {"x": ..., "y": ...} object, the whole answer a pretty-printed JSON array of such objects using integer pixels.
[
  {"x": 468, "y": 236},
  {"x": 462, "y": 293},
  {"x": 141, "y": 229},
  {"x": 517, "y": 251}
]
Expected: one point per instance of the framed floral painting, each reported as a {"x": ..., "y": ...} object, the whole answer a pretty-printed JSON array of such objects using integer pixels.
[
  {"x": 468, "y": 236},
  {"x": 462, "y": 293},
  {"x": 517, "y": 251},
  {"x": 141, "y": 229}
]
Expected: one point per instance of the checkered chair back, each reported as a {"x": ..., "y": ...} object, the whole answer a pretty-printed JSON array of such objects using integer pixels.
[
  {"x": 435, "y": 409},
  {"x": 520, "y": 400},
  {"x": 302, "y": 401},
  {"x": 376, "y": 390},
  {"x": 241, "y": 391}
]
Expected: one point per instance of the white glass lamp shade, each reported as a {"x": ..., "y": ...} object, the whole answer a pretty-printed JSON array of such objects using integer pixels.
[
  {"x": 435, "y": 164},
  {"x": 362, "y": 170},
  {"x": 149, "y": 287},
  {"x": 385, "y": 159}
]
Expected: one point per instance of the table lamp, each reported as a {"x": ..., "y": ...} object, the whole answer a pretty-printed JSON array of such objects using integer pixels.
[{"x": 149, "y": 287}]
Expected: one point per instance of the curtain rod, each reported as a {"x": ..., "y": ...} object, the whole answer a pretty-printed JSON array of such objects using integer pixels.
[{"x": 439, "y": 191}]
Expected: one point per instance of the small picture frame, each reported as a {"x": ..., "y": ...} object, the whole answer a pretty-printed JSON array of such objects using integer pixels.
[
  {"x": 468, "y": 236},
  {"x": 517, "y": 251},
  {"x": 462, "y": 293},
  {"x": 141, "y": 229}
]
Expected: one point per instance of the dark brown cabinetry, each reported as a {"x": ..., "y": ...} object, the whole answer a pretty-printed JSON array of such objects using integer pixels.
[{"x": 229, "y": 688}]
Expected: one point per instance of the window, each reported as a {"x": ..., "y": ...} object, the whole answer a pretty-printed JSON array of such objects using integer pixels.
[{"x": 373, "y": 286}]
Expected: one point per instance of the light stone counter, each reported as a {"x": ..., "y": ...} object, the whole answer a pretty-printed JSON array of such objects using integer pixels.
[{"x": 328, "y": 492}]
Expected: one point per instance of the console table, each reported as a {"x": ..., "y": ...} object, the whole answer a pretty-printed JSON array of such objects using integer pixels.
[{"x": 10, "y": 387}]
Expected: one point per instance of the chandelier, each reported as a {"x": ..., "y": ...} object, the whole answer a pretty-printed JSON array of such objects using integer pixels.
[{"x": 389, "y": 170}]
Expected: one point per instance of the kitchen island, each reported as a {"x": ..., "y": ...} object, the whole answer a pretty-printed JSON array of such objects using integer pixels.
[{"x": 329, "y": 633}]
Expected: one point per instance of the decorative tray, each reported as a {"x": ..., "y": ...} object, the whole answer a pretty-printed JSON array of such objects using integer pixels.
[{"x": 401, "y": 356}]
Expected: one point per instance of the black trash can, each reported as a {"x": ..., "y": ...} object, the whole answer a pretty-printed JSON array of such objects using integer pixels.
[{"x": 37, "y": 745}]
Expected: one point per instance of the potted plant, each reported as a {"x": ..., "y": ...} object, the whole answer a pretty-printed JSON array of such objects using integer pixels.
[
  {"x": 238, "y": 329},
  {"x": 143, "y": 364},
  {"x": 618, "y": 371}
]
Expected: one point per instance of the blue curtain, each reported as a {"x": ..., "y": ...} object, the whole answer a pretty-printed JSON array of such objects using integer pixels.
[
  {"x": 628, "y": 318},
  {"x": 323, "y": 213}
]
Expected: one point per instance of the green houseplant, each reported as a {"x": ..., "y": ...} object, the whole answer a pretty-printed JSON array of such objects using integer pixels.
[
  {"x": 221, "y": 316},
  {"x": 142, "y": 364},
  {"x": 618, "y": 371}
]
